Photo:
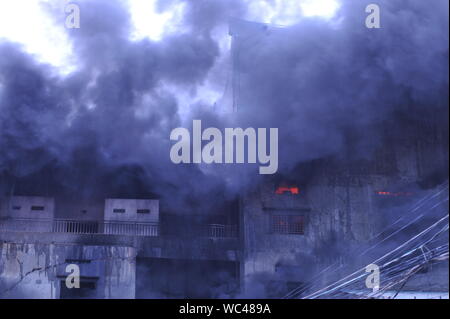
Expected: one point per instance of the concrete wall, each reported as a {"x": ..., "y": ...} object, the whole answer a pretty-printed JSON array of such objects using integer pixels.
[
  {"x": 129, "y": 210},
  {"x": 339, "y": 214},
  {"x": 264, "y": 250},
  {"x": 38, "y": 270},
  {"x": 28, "y": 207},
  {"x": 80, "y": 210}
]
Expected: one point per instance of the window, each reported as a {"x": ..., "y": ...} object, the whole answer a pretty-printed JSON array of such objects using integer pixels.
[
  {"x": 143, "y": 211},
  {"x": 119, "y": 210},
  {"x": 78, "y": 261},
  {"x": 394, "y": 194},
  {"x": 16, "y": 207},
  {"x": 287, "y": 224},
  {"x": 289, "y": 190},
  {"x": 40, "y": 208}
]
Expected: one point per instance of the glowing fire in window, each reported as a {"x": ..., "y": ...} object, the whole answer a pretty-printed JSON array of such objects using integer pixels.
[
  {"x": 283, "y": 189},
  {"x": 384, "y": 193}
]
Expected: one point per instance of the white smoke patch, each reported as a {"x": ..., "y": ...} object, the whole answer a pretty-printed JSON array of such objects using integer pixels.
[
  {"x": 149, "y": 23},
  {"x": 28, "y": 23}
]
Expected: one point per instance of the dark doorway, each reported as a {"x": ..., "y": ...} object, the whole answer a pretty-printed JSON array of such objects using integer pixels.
[{"x": 87, "y": 290}]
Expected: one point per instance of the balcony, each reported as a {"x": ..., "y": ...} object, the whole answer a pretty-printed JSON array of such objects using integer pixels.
[
  {"x": 79, "y": 227},
  {"x": 104, "y": 227},
  {"x": 221, "y": 231}
]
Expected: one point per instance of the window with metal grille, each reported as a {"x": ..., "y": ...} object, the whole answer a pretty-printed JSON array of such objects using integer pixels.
[{"x": 287, "y": 224}]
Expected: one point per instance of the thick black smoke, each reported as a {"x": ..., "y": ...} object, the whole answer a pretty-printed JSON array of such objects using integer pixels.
[
  {"x": 331, "y": 87},
  {"x": 103, "y": 130}
]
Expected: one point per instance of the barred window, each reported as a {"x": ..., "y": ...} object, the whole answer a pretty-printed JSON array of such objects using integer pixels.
[{"x": 287, "y": 224}]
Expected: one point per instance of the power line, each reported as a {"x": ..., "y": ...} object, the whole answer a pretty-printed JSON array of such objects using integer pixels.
[{"x": 419, "y": 204}]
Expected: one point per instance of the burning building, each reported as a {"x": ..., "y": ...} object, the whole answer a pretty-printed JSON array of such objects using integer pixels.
[{"x": 365, "y": 168}]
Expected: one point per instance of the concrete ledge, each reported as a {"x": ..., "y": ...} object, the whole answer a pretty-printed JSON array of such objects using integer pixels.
[{"x": 67, "y": 238}]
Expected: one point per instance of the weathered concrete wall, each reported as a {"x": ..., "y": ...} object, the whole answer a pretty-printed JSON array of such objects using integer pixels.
[
  {"x": 339, "y": 214},
  {"x": 27, "y": 207},
  {"x": 80, "y": 210},
  {"x": 130, "y": 207},
  {"x": 111, "y": 260},
  {"x": 194, "y": 248},
  {"x": 38, "y": 270},
  {"x": 263, "y": 249}
]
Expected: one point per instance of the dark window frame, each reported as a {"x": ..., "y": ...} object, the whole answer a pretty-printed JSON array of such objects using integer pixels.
[
  {"x": 287, "y": 224},
  {"x": 37, "y": 208}
]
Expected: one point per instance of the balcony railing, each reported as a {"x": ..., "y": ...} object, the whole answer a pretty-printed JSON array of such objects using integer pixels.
[
  {"x": 79, "y": 227},
  {"x": 103, "y": 227},
  {"x": 221, "y": 231}
]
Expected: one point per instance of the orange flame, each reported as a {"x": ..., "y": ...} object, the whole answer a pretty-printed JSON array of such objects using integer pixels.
[
  {"x": 383, "y": 193},
  {"x": 293, "y": 190}
]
